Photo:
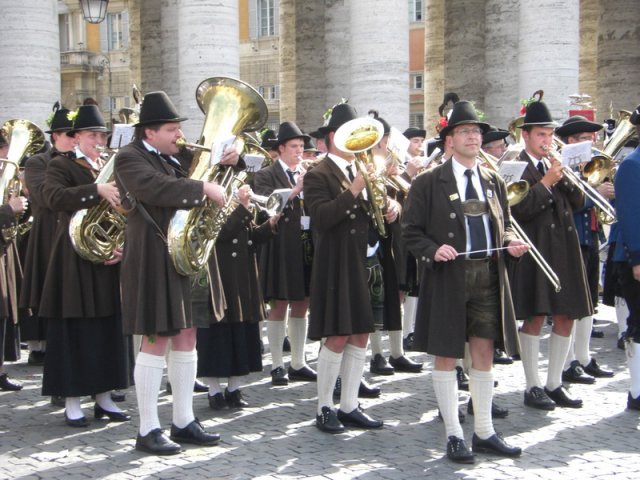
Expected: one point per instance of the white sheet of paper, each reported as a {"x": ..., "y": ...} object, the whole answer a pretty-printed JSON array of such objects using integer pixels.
[
  {"x": 218, "y": 148},
  {"x": 121, "y": 136},
  {"x": 576, "y": 153},
  {"x": 253, "y": 162},
  {"x": 512, "y": 171},
  {"x": 398, "y": 144}
]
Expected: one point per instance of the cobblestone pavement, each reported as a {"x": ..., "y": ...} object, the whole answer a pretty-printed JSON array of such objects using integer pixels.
[{"x": 275, "y": 437}]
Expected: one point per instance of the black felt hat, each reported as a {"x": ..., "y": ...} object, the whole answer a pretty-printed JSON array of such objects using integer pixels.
[
  {"x": 157, "y": 107},
  {"x": 413, "y": 132},
  {"x": 463, "y": 113},
  {"x": 577, "y": 124},
  {"x": 60, "y": 121},
  {"x": 88, "y": 117},
  {"x": 289, "y": 131},
  {"x": 309, "y": 146},
  {"x": 269, "y": 141},
  {"x": 340, "y": 115},
  {"x": 538, "y": 115},
  {"x": 635, "y": 116},
  {"x": 493, "y": 134}
]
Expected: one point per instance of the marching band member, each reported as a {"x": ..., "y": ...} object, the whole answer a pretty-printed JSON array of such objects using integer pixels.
[
  {"x": 86, "y": 352},
  {"x": 459, "y": 209}
]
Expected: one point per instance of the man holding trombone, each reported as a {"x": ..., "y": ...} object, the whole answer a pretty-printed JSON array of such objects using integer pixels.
[{"x": 546, "y": 217}]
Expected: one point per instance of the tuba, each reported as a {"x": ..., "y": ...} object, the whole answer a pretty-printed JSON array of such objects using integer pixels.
[
  {"x": 230, "y": 107},
  {"x": 25, "y": 139},
  {"x": 358, "y": 136},
  {"x": 97, "y": 231}
]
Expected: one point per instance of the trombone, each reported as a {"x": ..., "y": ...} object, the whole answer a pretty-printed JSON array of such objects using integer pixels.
[{"x": 516, "y": 192}]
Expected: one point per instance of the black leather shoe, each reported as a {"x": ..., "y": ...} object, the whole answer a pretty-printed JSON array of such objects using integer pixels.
[
  {"x": 8, "y": 385},
  {"x": 575, "y": 374},
  {"x": 199, "y": 387},
  {"x": 537, "y": 398},
  {"x": 304, "y": 374},
  {"x": 461, "y": 416},
  {"x": 99, "y": 412},
  {"x": 194, "y": 433},
  {"x": 562, "y": 398},
  {"x": 496, "y": 410},
  {"x": 407, "y": 342},
  {"x": 76, "y": 422},
  {"x": 57, "y": 401},
  {"x": 380, "y": 366},
  {"x": 403, "y": 364},
  {"x": 463, "y": 379},
  {"x": 357, "y": 418},
  {"x": 596, "y": 333},
  {"x": 328, "y": 421},
  {"x": 496, "y": 445},
  {"x": 286, "y": 345},
  {"x": 118, "y": 396},
  {"x": 279, "y": 377},
  {"x": 368, "y": 391},
  {"x": 633, "y": 403},
  {"x": 458, "y": 452},
  {"x": 234, "y": 399},
  {"x": 595, "y": 370},
  {"x": 157, "y": 443},
  {"x": 217, "y": 401},
  {"x": 36, "y": 358},
  {"x": 501, "y": 358}
]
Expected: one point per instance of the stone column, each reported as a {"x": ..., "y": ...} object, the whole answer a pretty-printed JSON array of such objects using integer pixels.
[
  {"x": 30, "y": 53},
  {"x": 618, "y": 57},
  {"x": 169, "y": 80},
  {"x": 337, "y": 53},
  {"x": 380, "y": 59},
  {"x": 433, "y": 62},
  {"x": 501, "y": 101},
  {"x": 150, "y": 14},
  {"x": 589, "y": 16},
  {"x": 465, "y": 49},
  {"x": 208, "y": 45},
  {"x": 549, "y": 52}
]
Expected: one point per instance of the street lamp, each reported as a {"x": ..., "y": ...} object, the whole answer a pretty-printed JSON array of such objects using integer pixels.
[{"x": 94, "y": 11}]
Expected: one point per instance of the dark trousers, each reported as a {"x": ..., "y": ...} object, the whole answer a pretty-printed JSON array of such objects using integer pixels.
[{"x": 631, "y": 294}]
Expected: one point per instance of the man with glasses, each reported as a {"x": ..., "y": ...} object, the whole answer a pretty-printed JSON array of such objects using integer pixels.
[{"x": 457, "y": 224}]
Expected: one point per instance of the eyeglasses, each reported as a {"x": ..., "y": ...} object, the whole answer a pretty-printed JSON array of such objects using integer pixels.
[{"x": 467, "y": 132}]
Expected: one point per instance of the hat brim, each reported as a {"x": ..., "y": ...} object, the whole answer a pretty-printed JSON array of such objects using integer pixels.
[
  {"x": 416, "y": 133},
  {"x": 160, "y": 121},
  {"x": 578, "y": 127},
  {"x": 57, "y": 130},
  {"x": 446, "y": 130},
  {"x": 493, "y": 136},
  {"x": 539, "y": 124},
  {"x": 282, "y": 141},
  {"x": 73, "y": 131}
]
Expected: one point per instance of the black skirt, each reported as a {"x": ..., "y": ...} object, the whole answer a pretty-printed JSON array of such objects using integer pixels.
[
  {"x": 229, "y": 350},
  {"x": 32, "y": 327},
  {"x": 85, "y": 356}
]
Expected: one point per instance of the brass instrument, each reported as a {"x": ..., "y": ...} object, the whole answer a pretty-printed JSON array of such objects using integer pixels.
[
  {"x": 596, "y": 170},
  {"x": 515, "y": 130},
  {"x": 25, "y": 138},
  {"x": 97, "y": 231},
  {"x": 357, "y": 137},
  {"x": 516, "y": 192},
  {"x": 230, "y": 107}
]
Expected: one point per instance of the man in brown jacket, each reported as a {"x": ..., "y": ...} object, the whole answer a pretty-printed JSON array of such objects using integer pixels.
[{"x": 156, "y": 299}]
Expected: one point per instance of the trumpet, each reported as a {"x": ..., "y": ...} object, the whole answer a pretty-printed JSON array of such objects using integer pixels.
[
  {"x": 516, "y": 192},
  {"x": 272, "y": 204},
  {"x": 597, "y": 170}
]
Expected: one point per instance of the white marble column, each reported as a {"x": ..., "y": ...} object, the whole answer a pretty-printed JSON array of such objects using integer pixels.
[
  {"x": 170, "y": 72},
  {"x": 151, "y": 44},
  {"x": 501, "y": 100},
  {"x": 434, "y": 57},
  {"x": 30, "y": 53},
  {"x": 549, "y": 52},
  {"x": 337, "y": 49},
  {"x": 380, "y": 59},
  {"x": 208, "y": 46}
]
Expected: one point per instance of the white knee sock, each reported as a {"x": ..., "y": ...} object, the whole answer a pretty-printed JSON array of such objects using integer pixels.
[
  {"x": 395, "y": 343},
  {"x": 409, "y": 316},
  {"x": 214, "y": 385},
  {"x": 234, "y": 383},
  {"x": 445, "y": 387},
  {"x": 376, "y": 343},
  {"x": 583, "y": 338},
  {"x": 529, "y": 351},
  {"x": 33, "y": 345},
  {"x": 275, "y": 335},
  {"x": 622, "y": 313},
  {"x": 633, "y": 361},
  {"x": 297, "y": 338},
  {"x": 571, "y": 353},
  {"x": 558, "y": 347},
  {"x": 148, "y": 376},
  {"x": 328, "y": 371},
  {"x": 351, "y": 373},
  {"x": 72, "y": 408},
  {"x": 481, "y": 390},
  {"x": 182, "y": 375},
  {"x": 104, "y": 400}
]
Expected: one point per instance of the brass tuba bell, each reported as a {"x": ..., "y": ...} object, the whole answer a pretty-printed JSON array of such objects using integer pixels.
[{"x": 230, "y": 107}]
